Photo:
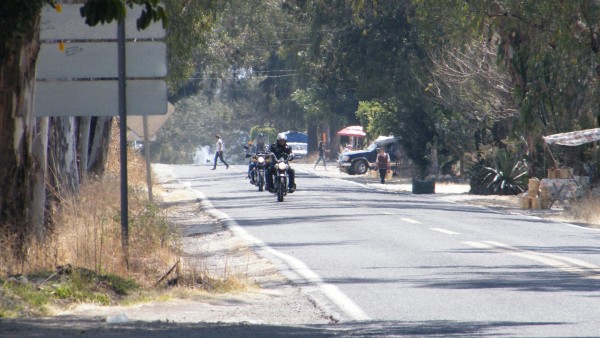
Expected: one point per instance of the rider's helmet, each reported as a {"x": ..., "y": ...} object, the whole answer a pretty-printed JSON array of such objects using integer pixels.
[{"x": 281, "y": 137}]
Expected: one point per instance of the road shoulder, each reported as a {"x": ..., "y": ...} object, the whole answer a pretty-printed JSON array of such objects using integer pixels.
[{"x": 208, "y": 245}]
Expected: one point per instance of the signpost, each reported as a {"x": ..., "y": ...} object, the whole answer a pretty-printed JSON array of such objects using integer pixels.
[
  {"x": 83, "y": 71},
  {"x": 146, "y": 127}
]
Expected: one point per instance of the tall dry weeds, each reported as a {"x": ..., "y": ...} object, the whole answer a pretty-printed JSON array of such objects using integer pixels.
[
  {"x": 87, "y": 233},
  {"x": 586, "y": 211}
]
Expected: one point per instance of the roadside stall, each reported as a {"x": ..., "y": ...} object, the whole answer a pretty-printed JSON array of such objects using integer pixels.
[
  {"x": 355, "y": 133},
  {"x": 560, "y": 184}
]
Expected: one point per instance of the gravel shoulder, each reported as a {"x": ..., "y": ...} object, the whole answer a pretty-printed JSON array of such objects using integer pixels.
[{"x": 208, "y": 247}]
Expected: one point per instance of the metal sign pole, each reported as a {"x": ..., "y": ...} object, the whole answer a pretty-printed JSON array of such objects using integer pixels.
[
  {"x": 123, "y": 138},
  {"x": 147, "y": 156}
]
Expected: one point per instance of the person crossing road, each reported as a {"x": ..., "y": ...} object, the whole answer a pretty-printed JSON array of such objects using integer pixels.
[{"x": 219, "y": 152}]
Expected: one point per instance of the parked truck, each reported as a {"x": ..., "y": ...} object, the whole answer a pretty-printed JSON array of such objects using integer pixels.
[{"x": 358, "y": 162}]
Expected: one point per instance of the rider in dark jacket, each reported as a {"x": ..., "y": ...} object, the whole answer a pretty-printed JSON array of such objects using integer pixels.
[{"x": 278, "y": 149}]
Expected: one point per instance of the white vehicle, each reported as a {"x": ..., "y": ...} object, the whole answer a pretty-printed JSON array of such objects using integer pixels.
[{"x": 299, "y": 149}]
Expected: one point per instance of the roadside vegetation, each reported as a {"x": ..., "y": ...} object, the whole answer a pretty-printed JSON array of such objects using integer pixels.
[
  {"x": 586, "y": 210},
  {"x": 82, "y": 260}
]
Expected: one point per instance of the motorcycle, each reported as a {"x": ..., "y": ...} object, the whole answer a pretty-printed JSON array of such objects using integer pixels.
[
  {"x": 258, "y": 173},
  {"x": 280, "y": 182},
  {"x": 259, "y": 161}
]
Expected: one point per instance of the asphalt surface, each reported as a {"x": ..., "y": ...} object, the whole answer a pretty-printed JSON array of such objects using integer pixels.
[{"x": 372, "y": 256}]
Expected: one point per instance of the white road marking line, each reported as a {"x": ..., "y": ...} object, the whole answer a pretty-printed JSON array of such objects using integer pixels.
[
  {"x": 579, "y": 227},
  {"x": 576, "y": 266},
  {"x": 331, "y": 291},
  {"x": 561, "y": 262},
  {"x": 573, "y": 261},
  {"x": 351, "y": 310},
  {"x": 444, "y": 231},
  {"x": 478, "y": 245},
  {"x": 410, "y": 220}
]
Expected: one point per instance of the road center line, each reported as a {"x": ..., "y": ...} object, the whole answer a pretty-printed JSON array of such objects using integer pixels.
[
  {"x": 444, "y": 231},
  {"x": 410, "y": 220},
  {"x": 351, "y": 310},
  {"x": 576, "y": 266}
]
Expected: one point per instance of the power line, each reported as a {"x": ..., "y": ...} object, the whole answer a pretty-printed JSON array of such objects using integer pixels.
[{"x": 243, "y": 77}]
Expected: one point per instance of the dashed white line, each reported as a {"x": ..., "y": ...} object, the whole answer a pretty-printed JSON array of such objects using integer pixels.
[
  {"x": 445, "y": 231},
  {"x": 410, "y": 220}
]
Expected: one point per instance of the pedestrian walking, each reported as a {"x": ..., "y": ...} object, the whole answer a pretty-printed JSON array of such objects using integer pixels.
[
  {"x": 219, "y": 153},
  {"x": 321, "y": 155},
  {"x": 384, "y": 164}
]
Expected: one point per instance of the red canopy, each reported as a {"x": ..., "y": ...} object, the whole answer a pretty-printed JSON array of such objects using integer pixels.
[{"x": 354, "y": 131}]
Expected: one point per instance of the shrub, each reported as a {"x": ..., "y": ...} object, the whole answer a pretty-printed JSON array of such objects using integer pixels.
[{"x": 498, "y": 172}]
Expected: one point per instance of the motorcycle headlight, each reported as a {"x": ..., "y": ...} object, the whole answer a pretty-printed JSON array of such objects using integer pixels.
[
  {"x": 261, "y": 159},
  {"x": 345, "y": 158},
  {"x": 281, "y": 166}
]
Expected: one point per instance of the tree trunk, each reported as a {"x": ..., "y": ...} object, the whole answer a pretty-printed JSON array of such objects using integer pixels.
[
  {"x": 313, "y": 137},
  {"x": 62, "y": 159},
  {"x": 22, "y": 140},
  {"x": 40, "y": 155},
  {"x": 334, "y": 139},
  {"x": 100, "y": 142},
  {"x": 84, "y": 145}
]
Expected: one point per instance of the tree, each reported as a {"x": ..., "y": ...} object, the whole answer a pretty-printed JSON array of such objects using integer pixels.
[
  {"x": 245, "y": 71},
  {"x": 369, "y": 51},
  {"x": 548, "y": 48}
]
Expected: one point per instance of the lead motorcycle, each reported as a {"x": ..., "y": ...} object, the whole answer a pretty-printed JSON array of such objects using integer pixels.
[{"x": 280, "y": 181}]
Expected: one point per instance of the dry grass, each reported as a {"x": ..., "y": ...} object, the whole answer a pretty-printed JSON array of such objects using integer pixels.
[
  {"x": 87, "y": 234},
  {"x": 585, "y": 211},
  {"x": 196, "y": 272}
]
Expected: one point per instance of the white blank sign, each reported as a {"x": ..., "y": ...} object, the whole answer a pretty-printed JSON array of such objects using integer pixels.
[
  {"x": 86, "y": 60},
  {"x": 99, "y": 98},
  {"x": 69, "y": 25}
]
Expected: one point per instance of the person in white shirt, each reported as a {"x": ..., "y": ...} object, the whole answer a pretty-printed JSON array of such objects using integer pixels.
[{"x": 219, "y": 153}]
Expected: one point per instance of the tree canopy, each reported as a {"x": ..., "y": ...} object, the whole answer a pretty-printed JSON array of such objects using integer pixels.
[{"x": 451, "y": 75}]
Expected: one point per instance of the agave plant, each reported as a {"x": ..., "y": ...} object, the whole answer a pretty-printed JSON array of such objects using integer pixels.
[{"x": 508, "y": 175}]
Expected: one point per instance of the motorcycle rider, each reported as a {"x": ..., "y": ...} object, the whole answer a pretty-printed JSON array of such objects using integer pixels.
[
  {"x": 278, "y": 149},
  {"x": 257, "y": 147}
]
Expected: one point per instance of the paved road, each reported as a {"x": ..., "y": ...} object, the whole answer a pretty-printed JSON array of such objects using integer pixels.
[{"x": 414, "y": 261}]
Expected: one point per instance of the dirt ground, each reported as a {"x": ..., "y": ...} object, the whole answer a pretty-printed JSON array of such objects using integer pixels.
[{"x": 269, "y": 301}]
